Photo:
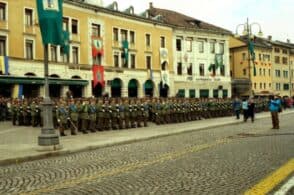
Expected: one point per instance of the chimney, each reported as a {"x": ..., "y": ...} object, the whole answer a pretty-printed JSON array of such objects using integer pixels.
[
  {"x": 150, "y": 5},
  {"x": 269, "y": 37},
  {"x": 288, "y": 41}
]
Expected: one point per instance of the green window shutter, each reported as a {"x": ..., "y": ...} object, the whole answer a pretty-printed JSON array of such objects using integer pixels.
[
  {"x": 215, "y": 93},
  {"x": 192, "y": 93},
  {"x": 225, "y": 93},
  {"x": 115, "y": 83},
  {"x": 181, "y": 92},
  {"x": 148, "y": 84},
  {"x": 204, "y": 93},
  {"x": 132, "y": 84}
]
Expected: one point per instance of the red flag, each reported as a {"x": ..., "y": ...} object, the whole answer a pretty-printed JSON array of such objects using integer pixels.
[
  {"x": 97, "y": 46},
  {"x": 98, "y": 75}
]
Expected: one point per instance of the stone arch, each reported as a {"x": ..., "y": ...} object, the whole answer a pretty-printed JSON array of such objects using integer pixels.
[
  {"x": 30, "y": 74},
  {"x": 116, "y": 87},
  {"x": 133, "y": 88},
  {"x": 149, "y": 88}
]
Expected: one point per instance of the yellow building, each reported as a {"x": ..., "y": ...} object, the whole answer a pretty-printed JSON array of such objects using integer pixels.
[
  {"x": 273, "y": 64},
  {"x": 282, "y": 78},
  {"x": 250, "y": 77},
  {"x": 292, "y": 70},
  {"x": 133, "y": 50}
]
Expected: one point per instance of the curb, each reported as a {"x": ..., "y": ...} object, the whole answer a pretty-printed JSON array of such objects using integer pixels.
[{"x": 63, "y": 152}]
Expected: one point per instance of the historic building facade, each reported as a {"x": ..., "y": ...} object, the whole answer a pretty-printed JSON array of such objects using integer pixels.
[
  {"x": 282, "y": 82},
  {"x": 251, "y": 76},
  {"x": 111, "y": 51},
  {"x": 22, "y": 53},
  {"x": 201, "y": 56},
  {"x": 270, "y": 72}
]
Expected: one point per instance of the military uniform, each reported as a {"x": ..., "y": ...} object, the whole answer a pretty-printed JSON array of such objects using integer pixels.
[
  {"x": 19, "y": 113},
  {"x": 54, "y": 111},
  {"x": 133, "y": 115},
  {"x": 84, "y": 115},
  {"x": 127, "y": 114},
  {"x": 34, "y": 114},
  {"x": 121, "y": 119},
  {"x": 92, "y": 117},
  {"x": 62, "y": 117},
  {"x": 14, "y": 113},
  {"x": 26, "y": 114},
  {"x": 74, "y": 117},
  {"x": 99, "y": 116}
]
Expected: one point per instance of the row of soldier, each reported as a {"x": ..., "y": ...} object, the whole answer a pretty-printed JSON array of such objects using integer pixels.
[{"x": 118, "y": 113}]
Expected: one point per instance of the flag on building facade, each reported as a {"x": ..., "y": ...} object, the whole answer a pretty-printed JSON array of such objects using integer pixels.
[
  {"x": 165, "y": 77},
  {"x": 98, "y": 75},
  {"x": 163, "y": 52},
  {"x": 50, "y": 21},
  {"x": 17, "y": 91},
  {"x": 97, "y": 46},
  {"x": 218, "y": 60},
  {"x": 252, "y": 54},
  {"x": 65, "y": 42},
  {"x": 125, "y": 53},
  {"x": 4, "y": 65}
]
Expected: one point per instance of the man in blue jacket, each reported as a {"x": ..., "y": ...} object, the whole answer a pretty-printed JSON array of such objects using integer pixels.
[{"x": 274, "y": 106}]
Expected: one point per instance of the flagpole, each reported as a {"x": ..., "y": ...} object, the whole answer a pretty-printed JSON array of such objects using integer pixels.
[{"x": 48, "y": 137}]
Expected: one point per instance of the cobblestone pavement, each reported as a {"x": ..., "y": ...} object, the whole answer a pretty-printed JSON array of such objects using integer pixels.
[{"x": 226, "y": 160}]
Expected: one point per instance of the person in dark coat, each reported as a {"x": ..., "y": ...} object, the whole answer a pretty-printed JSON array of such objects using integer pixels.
[
  {"x": 251, "y": 107},
  {"x": 237, "y": 107}
]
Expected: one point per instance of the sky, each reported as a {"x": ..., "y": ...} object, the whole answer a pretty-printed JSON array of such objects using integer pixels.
[{"x": 274, "y": 16}]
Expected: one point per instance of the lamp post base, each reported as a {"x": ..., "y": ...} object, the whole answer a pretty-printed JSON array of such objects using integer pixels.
[
  {"x": 48, "y": 139},
  {"x": 48, "y": 136}
]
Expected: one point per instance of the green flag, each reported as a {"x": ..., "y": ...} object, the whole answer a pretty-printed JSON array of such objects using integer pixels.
[
  {"x": 65, "y": 42},
  {"x": 251, "y": 50},
  {"x": 125, "y": 45},
  {"x": 50, "y": 21},
  {"x": 211, "y": 67},
  {"x": 254, "y": 70},
  {"x": 218, "y": 60}
]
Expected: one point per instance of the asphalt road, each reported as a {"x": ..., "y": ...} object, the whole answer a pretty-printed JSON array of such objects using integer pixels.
[{"x": 226, "y": 160}]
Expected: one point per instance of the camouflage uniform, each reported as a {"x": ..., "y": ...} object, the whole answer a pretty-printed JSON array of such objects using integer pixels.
[
  {"x": 62, "y": 117},
  {"x": 92, "y": 116},
  {"x": 74, "y": 117},
  {"x": 84, "y": 115},
  {"x": 99, "y": 115}
]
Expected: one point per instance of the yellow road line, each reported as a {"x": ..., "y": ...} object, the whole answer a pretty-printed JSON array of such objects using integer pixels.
[
  {"x": 126, "y": 168},
  {"x": 267, "y": 184}
]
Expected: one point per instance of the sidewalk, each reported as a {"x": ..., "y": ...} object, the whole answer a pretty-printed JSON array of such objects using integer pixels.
[{"x": 19, "y": 144}]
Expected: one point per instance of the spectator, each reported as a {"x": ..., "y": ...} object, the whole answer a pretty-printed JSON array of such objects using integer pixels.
[
  {"x": 237, "y": 107},
  {"x": 251, "y": 107},
  {"x": 245, "y": 109},
  {"x": 274, "y": 106}
]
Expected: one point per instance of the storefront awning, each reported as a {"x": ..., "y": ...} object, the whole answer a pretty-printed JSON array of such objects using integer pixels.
[
  {"x": 132, "y": 84},
  {"x": 148, "y": 84},
  {"x": 116, "y": 83},
  {"x": 40, "y": 81},
  {"x": 204, "y": 93}
]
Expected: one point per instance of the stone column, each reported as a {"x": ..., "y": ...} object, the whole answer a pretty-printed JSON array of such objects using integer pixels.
[
  {"x": 64, "y": 89},
  {"x": 220, "y": 93},
  {"x": 42, "y": 91},
  {"x": 124, "y": 91}
]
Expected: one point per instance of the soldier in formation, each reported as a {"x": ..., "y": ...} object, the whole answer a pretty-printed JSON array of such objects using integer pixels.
[{"x": 91, "y": 115}]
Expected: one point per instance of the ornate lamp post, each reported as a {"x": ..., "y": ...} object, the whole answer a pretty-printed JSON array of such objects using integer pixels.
[
  {"x": 247, "y": 31},
  {"x": 50, "y": 20}
]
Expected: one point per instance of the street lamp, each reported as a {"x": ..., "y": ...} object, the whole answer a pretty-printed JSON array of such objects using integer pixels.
[{"x": 247, "y": 31}]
